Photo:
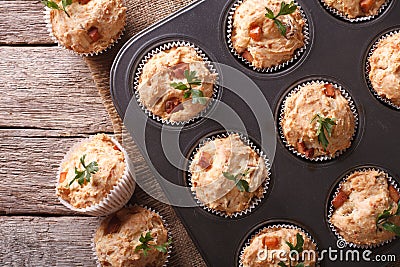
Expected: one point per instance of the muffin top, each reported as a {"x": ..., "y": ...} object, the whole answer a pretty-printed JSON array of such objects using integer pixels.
[
  {"x": 259, "y": 40},
  {"x": 385, "y": 68},
  {"x": 275, "y": 239},
  {"x": 356, "y": 8},
  {"x": 317, "y": 120},
  {"x": 176, "y": 84},
  {"x": 361, "y": 199},
  {"x": 221, "y": 164},
  {"x": 90, "y": 26},
  {"x": 129, "y": 238},
  {"x": 90, "y": 171}
]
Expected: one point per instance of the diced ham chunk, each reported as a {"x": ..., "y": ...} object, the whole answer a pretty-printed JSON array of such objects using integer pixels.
[
  {"x": 329, "y": 90},
  {"x": 63, "y": 175},
  {"x": 255, "y": 33},
  {"x": 271, "y": 242},
  {"x": 366, "y": 5},
  {"x": 94, "y": 34},
  {"x": 394, "y": 194},
  {"x": 339, "y": 200},
  {"x": 178, "y": 71},
  {"x": 113, "y": 226},
  {"x": 246, "y": 55},
  {"x": 173, "y": 105},
  {"x": 83, "y": 2},
  {"x": 205, "y": 160}
]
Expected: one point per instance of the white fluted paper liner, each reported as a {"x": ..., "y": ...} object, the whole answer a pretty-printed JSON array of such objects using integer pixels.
[
  {"x": 282, "y": 112},
  {"x": 98, "y": 264},
  {"x": 256, "y": 200},
  {"x": 168, "y": 46},
  {"x": 344, "y": 17},
  {"x": 298, "y": 53},
  {"x": 49, "y": 28},
  {"x": 391, "y": 181},
  {"x": 119, "y": 195},
  {"x": 276, "y": 226},
  {"x": 368, "y": 67}
]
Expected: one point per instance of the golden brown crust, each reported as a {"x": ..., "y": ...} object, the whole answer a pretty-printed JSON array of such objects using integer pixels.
[
  {"x": 356, "y": 8},
  {"x": 91, "y": 27},
  {"x": 118, "y": 236}
]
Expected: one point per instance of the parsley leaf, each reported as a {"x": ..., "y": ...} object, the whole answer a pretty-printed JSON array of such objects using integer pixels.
[
  {"x": 282, "y": 264},
  {"x": 85, "y": 175},
  {"x": 191, "y": 81},
  {"x": 391, "y": 227},
  {"x": 145, "y": 246},
  {"x": 285, "y": 9},
  {"x": 382, "y": 220},
  {"x": 299, "y": 244},
  {"x": 324, "y": 125},
  {"x": 53, "y": 5},
  {"x": 241, "y": 184}
]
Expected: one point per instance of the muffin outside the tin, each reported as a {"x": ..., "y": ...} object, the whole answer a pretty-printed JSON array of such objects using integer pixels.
[
  {"x": 118, "y": 239},
  {"x": 360, "y": 201},
  {"x": 317, "y": 120},
  {"x": 88, "y": 26},
  {"x": 356, "y": 8},
  {"x": 384, "y": 72},
  {"x": 164, "y": 79},
  {"x": 259, "y": 253},
  {"x": 227, "y": 175},
  {"x": 259, "y": 40},
  {"x": 90, "y": 171}
]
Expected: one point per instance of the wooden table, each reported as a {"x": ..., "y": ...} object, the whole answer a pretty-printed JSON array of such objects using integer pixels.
[{"x": 48, "y": 102}]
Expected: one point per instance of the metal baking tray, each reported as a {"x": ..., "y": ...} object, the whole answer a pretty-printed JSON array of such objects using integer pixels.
[{"x": 300, "y": 190}]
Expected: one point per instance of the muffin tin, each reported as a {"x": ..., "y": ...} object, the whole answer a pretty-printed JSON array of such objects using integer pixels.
[{"x": 300, "y": 190}]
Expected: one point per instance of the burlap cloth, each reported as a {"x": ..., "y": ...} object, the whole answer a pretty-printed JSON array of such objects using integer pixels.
[{"x": 140, "y": 15}]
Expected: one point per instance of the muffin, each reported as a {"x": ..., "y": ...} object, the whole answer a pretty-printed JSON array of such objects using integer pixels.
[
  {"x": 361, "y": 199},
  {"x": 132, "y": 237},
  {"x": 163, "y": 81},
  {"x": 317, "y": 120},
  {"x": 90, "y": 171},
  {"x": 384, "y": 72},
  {"x": 259, "y": 40},
  {"x": 356, "y": 8},
  {"x": 88, "y": 26},
  {"x": 227, "y": 175},
  {"x": 274, "y": 239}
]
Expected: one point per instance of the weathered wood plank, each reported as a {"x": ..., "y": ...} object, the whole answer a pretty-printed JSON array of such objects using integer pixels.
[
  {"x": 28, "y": 27},
  {"x": 49, "y": 88},
  {"x": 41, "y": 241}
]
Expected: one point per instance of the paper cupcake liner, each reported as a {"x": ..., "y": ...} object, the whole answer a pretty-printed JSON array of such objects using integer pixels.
[
  {"x": 353, "y": 109},
  {"x": 391, "y": 181},
  {"x": 166, "y": 226},
  {"x": 298, "y": 53},
  {"x": 272, "y": 226},
  {"x": 255, "y": 201},
  {"x": 49, "y": 28},
  {"x": 168, "y": 46},
  {"x": 382, "y": 99},
  {"x": 119, "y": 195},
  {"x": 344, "y": 17}
]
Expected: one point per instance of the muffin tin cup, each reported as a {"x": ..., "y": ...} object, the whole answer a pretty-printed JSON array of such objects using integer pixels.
[
  {"x": 368, "y": 67},
  {"x": 98, "y": 264},
  {"x": 297, "y": 54},
  {"x": 256, "y": 200},
  {"x": 168, "y": 46},
  {"x": 119, "y": 195},
  {"x": 49, "y": 28},
  {"x": 353, "y": 109},
  {"x": 275, "y": 226},
  {"x": 391, "y": 181},
  {"x": 344, "y": 17}
]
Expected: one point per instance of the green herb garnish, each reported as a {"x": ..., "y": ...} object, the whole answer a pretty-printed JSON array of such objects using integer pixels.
[
  {"x": 54, "y": 5},
  {"x": 286, "y": 9},
  {"x": 382, "y": 220},
  {"x": 146, "y": 246},
  {"x": 85, "y": 175},
  {"x": 241, "y": 184},
  {"x": 298, "y": 248},
  {"x": 324, "y": 125},
  {"x": 192, "y": 80}
]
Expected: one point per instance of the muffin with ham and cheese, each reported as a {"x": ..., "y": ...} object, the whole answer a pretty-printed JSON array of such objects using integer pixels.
[
  {"x": 227, "y": 175},
  {"x": 262, "y": 37},
  {"x": 356, "y": 8},
  {"x": 384, "y": 73},
  {"x": 259, "y": 253},
  {"x": 132, "y": 237},
  {"x": 90, "y": 171},
  {"x": 176, "y": 84},
  {"x": 317, "y": 120},
  {"x": 87, "y": 26},
  {"x": 366, "y": 208}
]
